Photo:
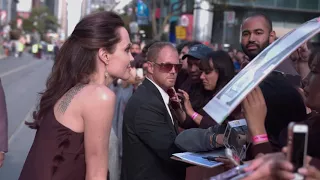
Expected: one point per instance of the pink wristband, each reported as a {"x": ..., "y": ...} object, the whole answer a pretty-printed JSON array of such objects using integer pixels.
[
  {"x": 194, "y": 115},
  {"x": 260, "y": 138}
]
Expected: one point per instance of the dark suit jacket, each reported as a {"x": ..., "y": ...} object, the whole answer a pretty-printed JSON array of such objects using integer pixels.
[
  {"x": 148, "y": 138},
  {"x": 3, "y": 122}
]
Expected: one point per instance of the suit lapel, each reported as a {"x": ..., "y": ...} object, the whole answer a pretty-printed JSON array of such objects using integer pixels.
[
  {"x": 174, "y": 117},
  {"x": 149, "y": 85}
]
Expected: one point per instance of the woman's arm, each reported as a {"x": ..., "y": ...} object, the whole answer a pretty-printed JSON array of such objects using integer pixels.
[
  {"x": 188, "y": 109},
  {"x": 97, "y": 115},
  {"x": 181, "y": 115}
]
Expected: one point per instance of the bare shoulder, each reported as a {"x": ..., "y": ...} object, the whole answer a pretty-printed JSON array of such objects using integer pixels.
[
  {"x": 97, "y": 104},
  {"x": 97, "y": 94}
]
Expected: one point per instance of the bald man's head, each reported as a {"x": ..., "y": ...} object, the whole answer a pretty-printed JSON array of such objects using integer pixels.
[{"x": 256, "y": 34}]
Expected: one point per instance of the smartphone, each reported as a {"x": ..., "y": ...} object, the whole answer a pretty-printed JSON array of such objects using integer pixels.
[
  {"x": 140, "y": 72},
  {"x": 172, "y": 93},
  {"x": 297, "y": 144}
]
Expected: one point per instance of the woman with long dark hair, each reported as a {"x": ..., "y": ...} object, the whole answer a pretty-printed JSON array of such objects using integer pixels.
[
  {"x": 75, "y": 112},
  {"x": 217, "y": 71}
]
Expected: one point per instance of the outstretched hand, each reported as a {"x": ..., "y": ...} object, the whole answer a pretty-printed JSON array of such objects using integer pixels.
[
  {"x": 255, "y": 111},
  {"x": 271, "y": 166}
]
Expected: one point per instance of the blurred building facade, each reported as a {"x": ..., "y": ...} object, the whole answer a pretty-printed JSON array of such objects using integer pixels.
[
  {"x": 285, "y": 15},
  {"x": 62, "y": 19},
  {"x": 89, "y": 6},
  {"x": 228, "y": 15},
  {"x": 53, "y": 5},
  {"x": 38, "y": 3},
  {"x": 3, "y": 11},
  {"x": 11, "y": 9}
]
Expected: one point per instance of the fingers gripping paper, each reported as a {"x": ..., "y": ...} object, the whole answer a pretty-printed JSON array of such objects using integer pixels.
[{"x": 248, "y": 78}]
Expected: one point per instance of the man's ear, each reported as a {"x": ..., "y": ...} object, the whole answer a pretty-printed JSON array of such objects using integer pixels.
[
  {"x": 103, "y": 56},
  {"x": 272, "y": 37},
  {"x": 150, "y": 68}
]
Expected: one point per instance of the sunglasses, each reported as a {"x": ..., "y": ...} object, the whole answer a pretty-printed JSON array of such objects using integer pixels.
[{"x": 167, "y": 67}]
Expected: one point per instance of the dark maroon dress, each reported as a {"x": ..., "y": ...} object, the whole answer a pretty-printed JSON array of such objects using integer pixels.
[{"x": 57, "y": 153}]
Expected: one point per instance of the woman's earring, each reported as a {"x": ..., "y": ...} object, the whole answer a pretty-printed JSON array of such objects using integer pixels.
[{"x": 106, "y": 74}]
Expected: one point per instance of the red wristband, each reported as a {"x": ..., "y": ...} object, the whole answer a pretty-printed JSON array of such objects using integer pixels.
[
  {"x": 260, "y": 138},
  {"x": 194, "y": 115}
]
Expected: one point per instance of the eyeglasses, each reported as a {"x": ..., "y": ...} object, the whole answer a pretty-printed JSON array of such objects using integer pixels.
[{"x": 167, "y": 67}]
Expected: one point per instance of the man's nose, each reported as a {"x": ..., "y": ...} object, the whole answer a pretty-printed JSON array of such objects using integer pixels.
[
  {"x": 194, "y": 68},
  {"x": 131, "y": 58},
  {"x": 173, "y": 70},
  {"x": 252, "y": 38}
]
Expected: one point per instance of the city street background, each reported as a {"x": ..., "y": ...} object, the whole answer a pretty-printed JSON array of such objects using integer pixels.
[{"x": 22, "y": 78}]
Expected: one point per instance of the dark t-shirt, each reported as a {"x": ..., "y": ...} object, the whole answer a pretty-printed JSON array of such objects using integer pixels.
[
  {"x": 199, "y": 97},
  {"x": 287, "y": 67},
  {"x": 291, "y": 74}
]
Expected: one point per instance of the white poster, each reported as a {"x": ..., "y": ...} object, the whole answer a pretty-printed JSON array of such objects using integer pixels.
[{"x": 247, "y": 79}]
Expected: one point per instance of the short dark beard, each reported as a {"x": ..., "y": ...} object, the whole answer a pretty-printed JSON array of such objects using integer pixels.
[{"x": 252, "y": 56}]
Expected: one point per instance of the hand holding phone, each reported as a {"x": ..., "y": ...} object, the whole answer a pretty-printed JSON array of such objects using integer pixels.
[
  {"x": 297, "y": 145},
  {"x": 175, "y": 101}
]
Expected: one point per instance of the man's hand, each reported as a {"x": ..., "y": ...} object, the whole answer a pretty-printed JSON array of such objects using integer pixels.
[
  {"x": 304, "y": 52},
  {"x": 227, "y": 163},
  {"x": 270, "y": 166},
  {"x": 186, "y": 101},
  {"x": 1, "y": 158},
  {"x": 310, "y": 173},
  {"x": 300, "y": 59},
  {"x": 301, "y": 54}
]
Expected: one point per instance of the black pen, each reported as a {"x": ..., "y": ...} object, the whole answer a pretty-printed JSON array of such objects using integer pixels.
[{"x": 210, "y": 158}]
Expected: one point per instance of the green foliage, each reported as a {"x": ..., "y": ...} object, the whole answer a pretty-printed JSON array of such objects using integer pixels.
[
  {"x": 100, "y": 9},
  {"x": 41, "y": 20}
]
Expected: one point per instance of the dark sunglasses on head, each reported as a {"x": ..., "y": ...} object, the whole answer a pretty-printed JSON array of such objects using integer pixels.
[{"x": 167, "y": 67}]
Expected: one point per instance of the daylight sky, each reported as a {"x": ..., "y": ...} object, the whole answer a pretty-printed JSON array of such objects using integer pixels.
[{"x": 24, "y": 5}]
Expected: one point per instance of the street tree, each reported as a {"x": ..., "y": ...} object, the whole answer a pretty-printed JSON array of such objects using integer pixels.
[{"x": 41, "y": 20}]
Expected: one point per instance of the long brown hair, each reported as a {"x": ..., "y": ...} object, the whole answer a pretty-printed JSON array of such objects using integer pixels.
[{"x": 76, "y": 60}]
